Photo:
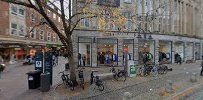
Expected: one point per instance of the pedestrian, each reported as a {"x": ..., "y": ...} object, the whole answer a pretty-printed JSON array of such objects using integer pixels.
[{"x": 201, "y": 73}]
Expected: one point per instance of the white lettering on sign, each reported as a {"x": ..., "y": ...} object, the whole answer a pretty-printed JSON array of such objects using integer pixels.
[{"x": 38, "y": 64}]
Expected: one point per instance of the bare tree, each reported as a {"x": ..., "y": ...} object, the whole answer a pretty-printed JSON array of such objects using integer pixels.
[{"x": 70, "y": 20}]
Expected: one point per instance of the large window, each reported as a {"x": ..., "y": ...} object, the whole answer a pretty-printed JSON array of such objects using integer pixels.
[
  {"x": 33, "y": 33},
  {"x": 22, "y": 11},
  {"x": 48, "y": 36},
  {"x": 41, "y": 35},
  {"x": 13, "y": 29},
  {"x": 14, "y": 9},
  {"x": 33, "y": 17},
  {"x": 21, "y": 30},
  {"x": 107, "y": 51},
  {"x": 84, "y": 54},
  {"x": 128, "y": 47}
]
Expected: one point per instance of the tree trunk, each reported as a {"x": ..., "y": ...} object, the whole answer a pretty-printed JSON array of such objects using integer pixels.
[{"x": 72, "y": 67}]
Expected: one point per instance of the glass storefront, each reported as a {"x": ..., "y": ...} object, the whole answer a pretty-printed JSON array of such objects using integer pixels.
[
  {"x": 179, "y": 49},
  {"x": 107, "y": 51},
  {"x": 84, "y": 54},
  {"x": 146, "y": 46},
  {"x": 189, "y": 51},
  {"x": 197, "y": 51},
  {"x": 165, "y": 50},
  {"x": 128, "y": 46}
]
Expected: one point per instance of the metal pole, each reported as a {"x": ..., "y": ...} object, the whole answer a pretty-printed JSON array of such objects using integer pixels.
[{"x": 43, "y": 67}]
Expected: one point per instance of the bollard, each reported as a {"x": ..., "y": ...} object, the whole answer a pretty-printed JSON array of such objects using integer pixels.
[
  {"x": 169, "y": 86},
  {"x": 193, "y": 77},
  {"x": 127, "y": 96}
]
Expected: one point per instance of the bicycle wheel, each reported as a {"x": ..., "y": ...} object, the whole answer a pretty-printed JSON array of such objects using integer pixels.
[
  {"x": 165, "y": 69},
  {"x": 154, "y": 72},
  {"x": 70, "y": 84},
  {"x": 101, "y": 87},
  {"x": 121, "y": 76},
  {"x": 82, "y": 84}
]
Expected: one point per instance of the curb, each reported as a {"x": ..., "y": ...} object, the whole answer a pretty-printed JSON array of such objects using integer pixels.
[{"x": 186, "y": 93}]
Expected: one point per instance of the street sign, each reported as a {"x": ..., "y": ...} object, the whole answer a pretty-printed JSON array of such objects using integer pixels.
[
  {"x": 38, "y": 64},
  {"x": 39, "y": 61},
  {"x": 132, "y": 68}
]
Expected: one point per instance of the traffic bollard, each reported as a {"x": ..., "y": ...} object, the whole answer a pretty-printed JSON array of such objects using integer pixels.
[
  {"x": 127, "y": 96},
  {"x": 169, "y": 86}
]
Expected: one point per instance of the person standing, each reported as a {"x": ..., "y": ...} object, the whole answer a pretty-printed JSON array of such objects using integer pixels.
[
  {"x": 84, "y": 59},
  {"x": 201, "y": 73}
]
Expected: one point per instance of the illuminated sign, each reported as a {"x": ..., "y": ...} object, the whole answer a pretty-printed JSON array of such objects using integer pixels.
[{"x": 112, "y": 3}]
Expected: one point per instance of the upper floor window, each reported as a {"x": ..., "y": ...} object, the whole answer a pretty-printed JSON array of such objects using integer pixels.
[
  {"x": 14, "y": 29},
  {"x": 127, "y": 15},
  {"x": 54, "y": 15},
  {"x": 14, "y": 9},
  {"x": 49, "y": 36},
  {"x": 33, "y": 17},
  {"x": 21, "y": 11},
  {"x": 41, "y": 35},
  {"x": 21, "y": 30},
  {"x": 33, "y": 33},
  {"x": 49, "y": 13},
  {"x": 59, "y": 19},
  {"x": 128, "y": 1}
]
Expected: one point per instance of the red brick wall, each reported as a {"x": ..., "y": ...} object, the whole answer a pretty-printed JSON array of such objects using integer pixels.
[{"x": 4, "y": 18}]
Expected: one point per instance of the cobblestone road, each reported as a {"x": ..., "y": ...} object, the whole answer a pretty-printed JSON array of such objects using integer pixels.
[{"x": 14, "y": 85}]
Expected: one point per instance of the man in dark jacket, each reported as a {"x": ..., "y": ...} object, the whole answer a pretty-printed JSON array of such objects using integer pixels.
[{"x": 202, "y": 67}]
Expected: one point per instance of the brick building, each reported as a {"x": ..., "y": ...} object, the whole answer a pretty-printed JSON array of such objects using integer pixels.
[{"x": 16, "y": 34}]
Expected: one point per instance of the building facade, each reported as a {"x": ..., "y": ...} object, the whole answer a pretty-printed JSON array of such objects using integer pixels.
[
  {"x": 20, "y": 33},
  {"x": 169, "y": 27}
]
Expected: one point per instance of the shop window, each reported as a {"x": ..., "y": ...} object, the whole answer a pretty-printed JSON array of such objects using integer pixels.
[
  {"x": 13, "y": 29},
  {"x": 107, "y": 51},
  {"x": 41, "y": 35},
  {"x": 128, "y": 45},
  {"x": 21, "y": 30},
  {"x": 14, "y": 9},
  {"x": 146, "y": 46},
  {"x": 84, "y": 54}
]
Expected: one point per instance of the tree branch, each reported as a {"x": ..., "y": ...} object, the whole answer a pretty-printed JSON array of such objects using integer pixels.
[{"x": 18, "y": 3}]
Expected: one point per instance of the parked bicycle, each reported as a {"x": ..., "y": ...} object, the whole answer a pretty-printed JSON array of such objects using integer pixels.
[
  {"x": 97, "y": 80},
  {"x": 81, "y": 78},
  {"x": 119, "y": 75},
  {"x": 66, "y": 80}
]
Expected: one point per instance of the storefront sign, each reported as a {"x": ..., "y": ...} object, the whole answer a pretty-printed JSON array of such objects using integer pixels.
[
  {"x": 38, "y": 64},
  {"x": 14, "y": 46},
  {"x": 112, "y": 3},
  {"x": 132, "y": 68},
  {"x": 107, "y": 40}
]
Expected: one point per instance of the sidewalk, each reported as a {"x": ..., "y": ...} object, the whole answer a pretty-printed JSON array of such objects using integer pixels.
[{"x": 16, "y": 79}]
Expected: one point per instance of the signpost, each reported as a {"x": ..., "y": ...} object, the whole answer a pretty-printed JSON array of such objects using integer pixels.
[
  {"x": 39, "y": 61},
  {"x": 132, "y": 68},
  {"x": 48, "y": 68}
]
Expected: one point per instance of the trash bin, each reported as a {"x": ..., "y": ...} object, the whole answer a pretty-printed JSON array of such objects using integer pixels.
[
  {"x": 34, "y": 79},
  {"x": 66, "y": 66},
  {"x": 45, "y": 82}
]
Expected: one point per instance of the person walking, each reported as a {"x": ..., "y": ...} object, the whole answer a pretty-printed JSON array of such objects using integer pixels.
[{"x": 201, "y": 73}]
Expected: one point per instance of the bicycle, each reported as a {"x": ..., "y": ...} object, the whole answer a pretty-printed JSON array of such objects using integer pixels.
[
  {"x": 98, "y": 82},
  {"x": 121, "y": 74},
  {"x": 154, "y": 71},
  {"x": 66, "y": 80},
  {"x": 81, "y": 78}
]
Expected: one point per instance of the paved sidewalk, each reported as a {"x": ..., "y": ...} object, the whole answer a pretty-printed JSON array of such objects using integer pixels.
[{"x": 14, "y": 85}]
